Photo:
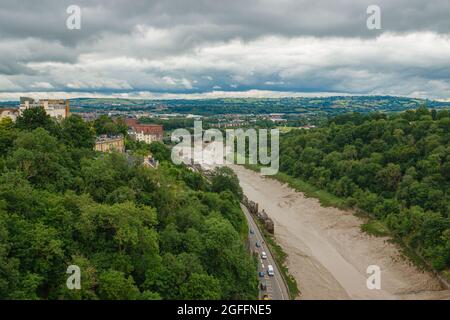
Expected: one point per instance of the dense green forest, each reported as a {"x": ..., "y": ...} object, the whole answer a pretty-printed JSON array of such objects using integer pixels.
[
  {"x": 396, "y": 168},
  {"x": 135, "y": 233}
]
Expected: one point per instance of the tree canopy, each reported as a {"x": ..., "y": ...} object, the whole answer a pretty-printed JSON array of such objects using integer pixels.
[
  {"x": 395, "y": 167},
  {"x": 135, "y": 233}
]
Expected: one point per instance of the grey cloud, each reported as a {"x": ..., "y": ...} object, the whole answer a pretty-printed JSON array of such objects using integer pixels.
[
  {"x": 170, "y": 46},
  {"x": 249, "y": 19},
  {"x": 15, "y": 54}
]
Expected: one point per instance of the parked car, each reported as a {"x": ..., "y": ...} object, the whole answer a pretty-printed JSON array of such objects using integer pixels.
[
  {"x": 257, "y": 244},
  {"x": 270, "y": 270},
  {"x": 263, "y": 255},
  {"x": 261, "y": 274},
  {"x": 251, "y": 231}
]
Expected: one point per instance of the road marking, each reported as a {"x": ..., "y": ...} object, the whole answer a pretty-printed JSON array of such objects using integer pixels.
[{"x": 279, "y": 287}]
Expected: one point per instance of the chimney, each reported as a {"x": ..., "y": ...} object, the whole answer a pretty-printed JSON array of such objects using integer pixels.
[{"x": 67, "y": 107}]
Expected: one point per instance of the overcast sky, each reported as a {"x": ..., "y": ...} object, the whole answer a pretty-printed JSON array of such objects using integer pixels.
[{"x": 215, "y": 48}]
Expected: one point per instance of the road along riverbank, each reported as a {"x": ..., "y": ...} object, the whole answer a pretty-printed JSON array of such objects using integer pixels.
[{"x": 328, "y": 254}]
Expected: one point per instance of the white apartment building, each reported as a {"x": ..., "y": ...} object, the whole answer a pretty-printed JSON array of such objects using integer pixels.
[
  {"x": 147, "y": 137},
  {"x": 56, "y": 108}
]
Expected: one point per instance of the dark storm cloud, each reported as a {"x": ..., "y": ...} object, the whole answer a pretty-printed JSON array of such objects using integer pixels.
[{"x": 228, "y": 19}]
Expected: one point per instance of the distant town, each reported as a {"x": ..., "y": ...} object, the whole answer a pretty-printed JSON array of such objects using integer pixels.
[{"x": 149, "y": 119}]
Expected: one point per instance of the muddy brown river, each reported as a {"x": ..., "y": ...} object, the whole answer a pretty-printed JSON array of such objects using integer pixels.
[{"x": 328, "y": 254}]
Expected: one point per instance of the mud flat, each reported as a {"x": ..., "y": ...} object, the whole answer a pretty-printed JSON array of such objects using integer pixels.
[{"x": 328, "y": 254}]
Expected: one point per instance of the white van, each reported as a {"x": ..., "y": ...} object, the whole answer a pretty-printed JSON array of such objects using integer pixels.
[{"x": 270, "y": 270}]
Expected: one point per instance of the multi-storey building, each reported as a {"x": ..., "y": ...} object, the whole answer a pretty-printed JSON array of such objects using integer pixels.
[
  {"x": 9, "y": 113},
  {"x": 56, "y": 108},
  {"x": 106, "y": 143},
  {"x": 147, "y": 133}
]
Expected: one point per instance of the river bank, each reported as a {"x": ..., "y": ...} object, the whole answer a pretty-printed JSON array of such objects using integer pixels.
[{"x": 328, "y": 254}]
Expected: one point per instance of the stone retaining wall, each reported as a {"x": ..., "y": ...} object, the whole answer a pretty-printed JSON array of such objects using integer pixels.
[{"x": 260, "y": 215}]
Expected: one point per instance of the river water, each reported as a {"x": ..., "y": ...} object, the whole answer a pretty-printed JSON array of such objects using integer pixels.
[{"x": 328, "y": 254}]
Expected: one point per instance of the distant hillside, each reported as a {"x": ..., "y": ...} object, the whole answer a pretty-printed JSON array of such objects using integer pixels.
[
  {"x": 317, "y": 105},
  {"x": 308, "y": 106}
]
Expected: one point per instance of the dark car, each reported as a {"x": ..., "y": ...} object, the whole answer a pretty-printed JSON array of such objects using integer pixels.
[
  {"x": 251, "y": 231},
  {"x": 261, "y": 274},
  {"x": 263, "y": 286},
  {"x": 257, "y": 244}
]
